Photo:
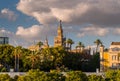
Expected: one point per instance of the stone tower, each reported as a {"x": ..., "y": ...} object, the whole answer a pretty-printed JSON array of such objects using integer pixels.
[{"x": 59, "y": 40}]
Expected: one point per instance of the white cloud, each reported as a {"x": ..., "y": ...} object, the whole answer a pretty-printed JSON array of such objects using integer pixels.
[
  {"x": 80, "y": 34},
  {"x": 35, "y": 32},
  {"x": 29, "y": 32},
  {"x": 93, "y": 30},
  {"x": 69, "y": 14},
  {"x": 116, "y": 31},
  {"x": 6, "y": 13}
]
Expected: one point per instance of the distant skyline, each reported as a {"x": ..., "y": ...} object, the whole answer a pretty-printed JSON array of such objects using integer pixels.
[{"x": 28, "y": 21}]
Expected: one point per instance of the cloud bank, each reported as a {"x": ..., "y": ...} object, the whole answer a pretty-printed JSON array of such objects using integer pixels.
[{"x": 98, "y": 12}]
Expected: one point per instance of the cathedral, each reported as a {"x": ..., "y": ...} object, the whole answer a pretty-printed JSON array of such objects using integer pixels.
[{"x": 59, "y": 39}]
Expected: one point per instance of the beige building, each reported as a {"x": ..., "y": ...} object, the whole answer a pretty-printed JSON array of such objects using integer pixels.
[
  {"x": 114, "y": 55},
  {"x": 36, "y": 47},
  {"x": 59, "y": 40},
  {"x": 110, "y": 58}
]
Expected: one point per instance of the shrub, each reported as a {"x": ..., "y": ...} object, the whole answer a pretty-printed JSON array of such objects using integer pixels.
[
  {"x": 76, "y": 76},
  {"x": 5, "y": 77},
  {"x": 37, "y": 75},
  {"x": 113, "y": 75},
  {"x": 95, "y": 78}
]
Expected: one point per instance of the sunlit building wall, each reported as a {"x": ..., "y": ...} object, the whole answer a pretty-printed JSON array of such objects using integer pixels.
[{"x": 110, "y": 59}]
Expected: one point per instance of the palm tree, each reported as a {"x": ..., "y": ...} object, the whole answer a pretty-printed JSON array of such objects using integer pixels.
[
  {"x": 97, "y": 42},
  {"x": 33, "y": 57},
  {"x": 69, "y": 43},
  {"x": 17, "y": 53},
  {"x": 80, "y": 46}
]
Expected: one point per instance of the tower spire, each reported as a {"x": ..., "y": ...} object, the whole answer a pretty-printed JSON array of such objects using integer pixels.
[
  {"x": 60, "y": 26},
  {"x": 60, "y": 30},
  {"x": 46, "y": 42},
  {"x": 60, "y": 23}
]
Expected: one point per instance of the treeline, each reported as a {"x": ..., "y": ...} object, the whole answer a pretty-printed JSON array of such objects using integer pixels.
[
  {"x": 54, "y": 75},
  {"x": 22, "y": 59}
]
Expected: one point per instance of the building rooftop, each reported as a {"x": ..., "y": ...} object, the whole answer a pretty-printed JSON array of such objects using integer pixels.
[{"x": 115, "y": 43}]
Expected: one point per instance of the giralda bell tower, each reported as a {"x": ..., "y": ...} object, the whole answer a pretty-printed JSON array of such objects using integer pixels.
[{"x": 59, "y": 39}]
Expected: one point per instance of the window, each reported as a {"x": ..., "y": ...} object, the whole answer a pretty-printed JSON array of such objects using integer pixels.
[
  {"x": 114, "y": 57},
  {"x": 4, "y": 40},
  {"x": 115, "y": 49},
  {"x": 119, "y": 58},
  {"x": 113, "y": 64}
]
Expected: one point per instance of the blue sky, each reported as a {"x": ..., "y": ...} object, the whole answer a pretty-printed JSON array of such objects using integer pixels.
[{"x": 29, "y": 21}]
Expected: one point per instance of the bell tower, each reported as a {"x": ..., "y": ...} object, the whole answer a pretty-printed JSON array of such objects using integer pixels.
[{"x": 59, "y": 40}]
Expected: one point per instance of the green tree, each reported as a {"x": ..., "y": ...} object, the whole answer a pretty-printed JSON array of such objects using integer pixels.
[
  {"x": 72, "y": 61},
  {"x": 52, "y": 57},
  {"x": 24, "y": 63},
  {"x": 93, "y": 63},
  {"x": 69, "y": 43},
  {"x": 97, "y": 42},
  {"x": 58, "y": 54},
  {"x": 6, "y": 56},
  {"x": 34, "y": 58}
]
